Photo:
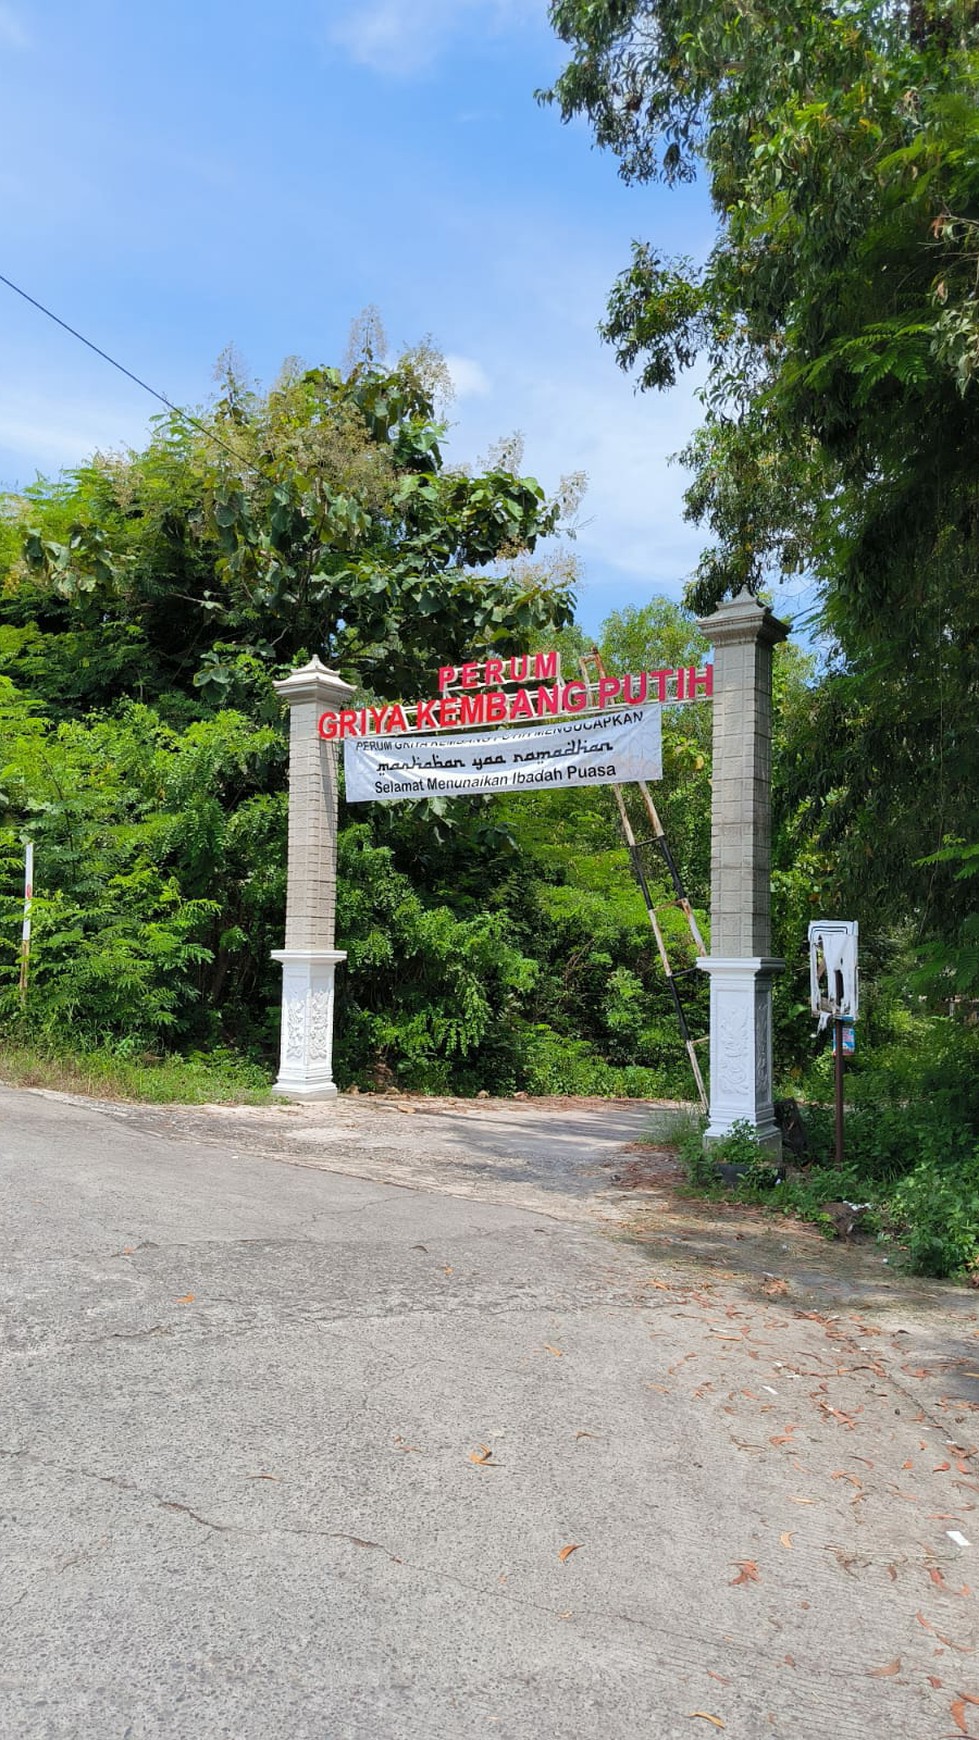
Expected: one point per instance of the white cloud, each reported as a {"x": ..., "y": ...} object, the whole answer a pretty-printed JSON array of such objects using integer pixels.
[
  {"x": 12, "y": 31},
  {"x": 54, "y": 432},
  {"x": 586, "y": 417},
  {"x": 469, "y": 378},
  {"x": 405, "y": 37}
]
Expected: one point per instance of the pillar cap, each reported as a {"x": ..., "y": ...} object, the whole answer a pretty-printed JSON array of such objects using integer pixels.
[
  {"x": 308, "y": 957},
  {"x": 314, "y": 682},
  {"x": 743, "y": 619},
  {"x": 730, "y": 966}
]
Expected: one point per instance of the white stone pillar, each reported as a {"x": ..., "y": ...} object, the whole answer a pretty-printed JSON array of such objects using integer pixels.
[
  {"x": 309, "y": 958},
  {"x": 740, "y": 963}
]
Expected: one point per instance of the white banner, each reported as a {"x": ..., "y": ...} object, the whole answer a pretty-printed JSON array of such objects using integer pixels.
[{"x": 602, "y": 749}]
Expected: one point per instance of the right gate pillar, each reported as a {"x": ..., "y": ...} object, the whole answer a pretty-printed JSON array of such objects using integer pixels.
[{"x": 741, "y": 966}]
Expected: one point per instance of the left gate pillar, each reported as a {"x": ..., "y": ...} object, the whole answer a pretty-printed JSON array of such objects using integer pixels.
[{"x": 309, "y": 958}]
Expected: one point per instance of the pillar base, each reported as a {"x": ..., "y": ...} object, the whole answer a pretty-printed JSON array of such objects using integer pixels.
[
  {"x": 741, "y": 1047},
  {"x": 306, "y": 1058}
]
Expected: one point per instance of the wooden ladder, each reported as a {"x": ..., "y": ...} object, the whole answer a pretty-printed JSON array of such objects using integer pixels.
[{"x": 591, "y": 664}]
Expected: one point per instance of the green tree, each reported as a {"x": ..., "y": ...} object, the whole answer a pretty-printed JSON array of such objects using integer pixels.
[
  {"x": 838, "y": 315},
  {"x": 317, "y": 517}
]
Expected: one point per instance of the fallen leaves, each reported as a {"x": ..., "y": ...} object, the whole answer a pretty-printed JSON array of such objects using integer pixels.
[
  {"x": 786, "y": 1539},
  {"x": 938, "y": 1579},
  {"x": 949, "y": 1642},
  {"x": 566, "y": 1552},
  {"x": 846, "y": 1561},
  {"x": 845, "y": 1420},
  {"x": 884, "y": 1673},
  {"x": 748, "y": 1572},
  {"x": 704, "y": 1716},
  {"x": 784, "y": 1437},
  {"x": 957, "y": 1710},
  {"x": 187, "y": 1299},
  {"x": 481, "y": 1456},
  {"x": 555, "y": 1350}
]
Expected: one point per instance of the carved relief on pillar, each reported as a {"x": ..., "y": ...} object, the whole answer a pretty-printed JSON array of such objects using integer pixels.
[
  {"x": 294, "y": 1023},
  {"x": 763, "y": 1045},
  {"x": 321, "y": 1025},
  {"x": 732, "y": 1060},
  {"x": 307, "y": 1022}
]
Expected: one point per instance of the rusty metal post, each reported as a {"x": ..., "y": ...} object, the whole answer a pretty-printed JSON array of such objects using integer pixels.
[{"x": 838, "y": 1026}]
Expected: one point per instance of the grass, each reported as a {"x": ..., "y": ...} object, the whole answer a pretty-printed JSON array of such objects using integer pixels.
[
  {"x": 219, "y": 1078},
  {"x": 674, "y": 1127}
]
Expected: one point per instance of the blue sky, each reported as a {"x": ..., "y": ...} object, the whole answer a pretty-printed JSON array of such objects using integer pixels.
[{"x": 177, "y": 178}]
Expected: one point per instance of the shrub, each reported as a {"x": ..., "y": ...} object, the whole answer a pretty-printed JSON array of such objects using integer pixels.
[{"x": 936, "y": 1216}]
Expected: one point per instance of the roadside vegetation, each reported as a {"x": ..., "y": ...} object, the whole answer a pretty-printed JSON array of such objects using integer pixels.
[
  {"x": 115, "y": 1073},
  {"x": 149, "y": 600},
  {"x": 835, "y": 321}
]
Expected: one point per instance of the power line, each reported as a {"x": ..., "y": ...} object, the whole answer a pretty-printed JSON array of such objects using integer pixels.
[{"x": 176, "y": 409}]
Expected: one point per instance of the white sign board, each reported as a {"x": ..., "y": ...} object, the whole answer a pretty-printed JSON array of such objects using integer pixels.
[
  {"x": 602, "y": 749},
  {"x": 832, "y": 951}
]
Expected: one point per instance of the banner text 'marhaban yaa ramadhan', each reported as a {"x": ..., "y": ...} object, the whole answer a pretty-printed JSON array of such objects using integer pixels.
[{"x": 613, "y": 748}]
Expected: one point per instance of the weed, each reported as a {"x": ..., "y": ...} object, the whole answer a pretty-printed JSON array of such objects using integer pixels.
[{"x": 219, "y": 1077}]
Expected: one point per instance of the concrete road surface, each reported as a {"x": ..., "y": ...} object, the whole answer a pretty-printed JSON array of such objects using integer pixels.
[{"x": 289, "y": 1452}]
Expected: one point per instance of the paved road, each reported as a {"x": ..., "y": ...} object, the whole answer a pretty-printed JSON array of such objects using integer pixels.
[{"x": 291, "y": 1453}]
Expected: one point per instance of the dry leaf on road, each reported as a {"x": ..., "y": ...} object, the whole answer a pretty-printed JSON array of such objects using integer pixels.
[
  {"x": 483, "y": 1455},
  {"x": 187, "y": 1299},
  {"x": 786, "y": 1538},
  {"x": 957, "y": 1711},
  {"x": 566, "y": 1552},
  {"x": 703, "y": 1716},
  {"x": 748, "y": 1572},
  {"x": 884, "y": 1673},
  {"x": 784, "y": 1437}
]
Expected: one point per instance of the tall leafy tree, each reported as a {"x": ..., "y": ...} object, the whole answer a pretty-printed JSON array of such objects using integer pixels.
[
  {"x": 318, "y": 517},
  {"x": 838, "y": 314}
]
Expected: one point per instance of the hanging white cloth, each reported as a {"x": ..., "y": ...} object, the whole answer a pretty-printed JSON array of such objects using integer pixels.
[{"x": 832, "y": 950}]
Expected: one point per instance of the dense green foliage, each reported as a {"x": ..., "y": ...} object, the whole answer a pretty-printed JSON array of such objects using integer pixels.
[
  {"x": 838, "y": 314},
  {"x": 148, "y": 602},
  {"x": 837, "y": 318}
]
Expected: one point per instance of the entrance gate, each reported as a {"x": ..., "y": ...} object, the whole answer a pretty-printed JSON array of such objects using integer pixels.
[{"x": 741, "y": 967}]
